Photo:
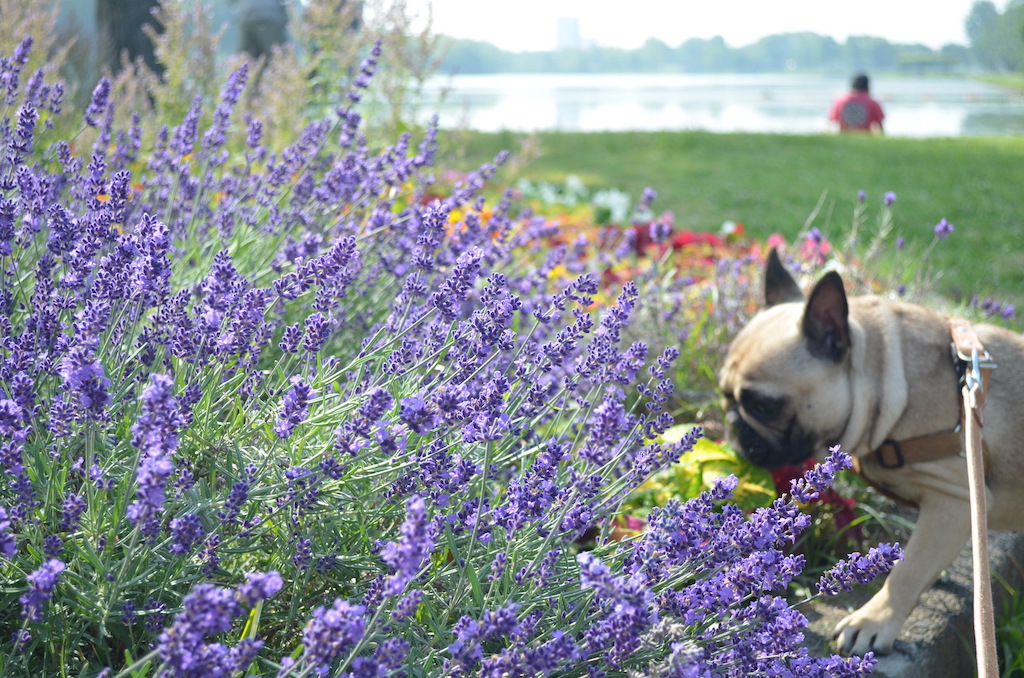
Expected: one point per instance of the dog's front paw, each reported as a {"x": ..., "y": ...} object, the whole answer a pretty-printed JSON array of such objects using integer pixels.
[{"x": 872, "y": 628}]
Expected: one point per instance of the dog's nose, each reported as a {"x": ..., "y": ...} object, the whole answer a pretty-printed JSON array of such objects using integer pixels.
[{"x": 732, "y": 417}]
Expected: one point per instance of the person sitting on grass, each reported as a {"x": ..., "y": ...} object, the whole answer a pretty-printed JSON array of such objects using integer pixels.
[{"x": 857, "y": 111}]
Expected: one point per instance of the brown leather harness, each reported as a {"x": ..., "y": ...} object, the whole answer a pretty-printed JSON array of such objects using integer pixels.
[{"x": 894, "y": 454}]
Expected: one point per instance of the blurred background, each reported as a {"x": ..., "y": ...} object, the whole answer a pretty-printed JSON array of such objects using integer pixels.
[{"x": 943, "y": 68}]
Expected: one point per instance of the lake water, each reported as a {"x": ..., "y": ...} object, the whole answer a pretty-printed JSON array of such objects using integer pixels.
[{"x": 779, "y": 103}]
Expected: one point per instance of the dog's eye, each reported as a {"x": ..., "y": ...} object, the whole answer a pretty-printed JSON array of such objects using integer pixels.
[{"x": 760, "y": 406}]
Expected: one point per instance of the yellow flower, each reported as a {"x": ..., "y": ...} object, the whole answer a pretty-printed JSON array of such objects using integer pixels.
[{"x": 557, "y": 272}]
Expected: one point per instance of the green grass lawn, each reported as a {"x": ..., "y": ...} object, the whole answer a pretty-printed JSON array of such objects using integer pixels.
[{"x": 772, "y": 183}]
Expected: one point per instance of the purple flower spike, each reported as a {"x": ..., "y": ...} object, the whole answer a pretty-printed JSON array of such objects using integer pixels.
[
  {"x": 99, "y": 103},
  {"x": 11, "y": 72},
  {"x": 647, "y": 198},
  {"x": 943, "y": 229},
  {"x": 626, "y": 609},
  {"x": 331, "y": 632},
  {"x": 214, "y": 137},
  {"x": 859, "y": 569},
  {"x": 448, "y": 300},
  {"x": 85, "y": 379},
  {"x": 259, "y": 586},
  {"x": 155, "y": 434},
  {"x": 185, "y": 532},
  {"x": 40, "y": 588},
  {"x": 889, "y": 198},
  {"x": 8, "y": 544},
  {"x": 208, "y": 610},
  {"x": 294, "y": 408},
  {"x": 406, "y": 558},
  {"x": 659, "y": 231},
  {"x": 820, "y": 478}
]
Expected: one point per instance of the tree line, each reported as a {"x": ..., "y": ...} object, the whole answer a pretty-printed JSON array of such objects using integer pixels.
[
  {"x": 997, "y": 38},
  {"x": 996, "y": 43}
]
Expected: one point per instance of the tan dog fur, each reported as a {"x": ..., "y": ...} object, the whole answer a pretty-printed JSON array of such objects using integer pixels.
[{"x": 882, "y": 370}]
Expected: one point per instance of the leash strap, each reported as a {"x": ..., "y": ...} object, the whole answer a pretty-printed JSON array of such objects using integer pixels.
[{"x": 977, "y": 369}]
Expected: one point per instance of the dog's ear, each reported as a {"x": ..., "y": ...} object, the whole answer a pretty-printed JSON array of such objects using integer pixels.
[
  {"x": 779, "y": 286},
  {"x": 826, "y": 321}
]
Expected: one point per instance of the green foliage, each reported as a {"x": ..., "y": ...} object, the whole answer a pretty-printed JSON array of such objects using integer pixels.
[
  {"x": 1010, "y": 635},
  {"x": 770, "y": 183},
  {"x": 997, "y": 39},
  {"x": 698, "y": 471}
]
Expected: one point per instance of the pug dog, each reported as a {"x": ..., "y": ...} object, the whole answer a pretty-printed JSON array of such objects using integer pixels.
[{"x": 877, "y": 377}]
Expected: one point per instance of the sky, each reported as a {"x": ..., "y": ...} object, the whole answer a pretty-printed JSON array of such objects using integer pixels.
[{"x": 529, "y": 25}]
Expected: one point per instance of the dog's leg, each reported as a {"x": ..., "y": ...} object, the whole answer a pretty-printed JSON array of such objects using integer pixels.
[{"x": 943, "y": 526}]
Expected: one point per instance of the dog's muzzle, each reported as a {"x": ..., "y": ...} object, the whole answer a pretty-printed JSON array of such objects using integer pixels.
[{"x": 794, "y": 448}]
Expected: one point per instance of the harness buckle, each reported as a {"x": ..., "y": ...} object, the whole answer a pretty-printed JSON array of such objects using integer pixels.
[{"x": 880, "y": 455}]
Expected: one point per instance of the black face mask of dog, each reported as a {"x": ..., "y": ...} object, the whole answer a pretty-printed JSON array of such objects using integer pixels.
[{"x": 775, "y": 417}]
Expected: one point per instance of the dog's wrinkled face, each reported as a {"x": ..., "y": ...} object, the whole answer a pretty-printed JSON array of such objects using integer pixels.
[{"x": 786, "y": 379}]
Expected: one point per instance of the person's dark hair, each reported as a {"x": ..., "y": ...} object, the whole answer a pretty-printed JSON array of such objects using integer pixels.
[{"x": 860, "y": 82}]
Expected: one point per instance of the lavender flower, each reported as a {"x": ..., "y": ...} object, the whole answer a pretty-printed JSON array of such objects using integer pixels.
[
  {"x": 74, "y": 507},
  {"x": 820, "y": 478},
  {"x": 12, "y": 415},
  {"x": 365, "y": 75},
  {"x": 8, "y": 212},
  {"x": 40, "y": 589},
  {"x": 233, "y": 504},
  {"x": 659, "y": 231},
  {"x": 407, "y": 606},
  {"x": 647, "y": 198},
  {"x": 186, "y": 530},
  {"x": 859, "y": 569},
  {"x": 53, "y": 547},
  {"x": 185, "y": 134},
  {"x": 294, "y": 407},
  {"x": 155, "y": 434},
  {"x": 151, "y": 272},
  {"x": 467, "y": 650},
  {"x": 98, "y": 104},
  {"x": 418, "y": 415},
  {"x": 208, "y": 610},
  {"x": 214, "y": 137},
  {"x": 290, "y": 339},
  {"x": 317, "y": 332},
  {"x": 86, "y": 380},
  {"x": 889, "y": 199},
  {"x": 406, "y": 558},
  {"x": 8, "y": 543},
  {"x": 10, "y": 74},
  {"x": 454, "y": 290},
  {"x": 626, "y": 610},
  {"x": 943, "y": 229},
  {"x": 259, "y": 587},
  {"x": 330, "y": 632}
]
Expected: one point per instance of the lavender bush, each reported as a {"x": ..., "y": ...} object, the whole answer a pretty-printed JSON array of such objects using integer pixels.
[{"x": 274, "y": 411}]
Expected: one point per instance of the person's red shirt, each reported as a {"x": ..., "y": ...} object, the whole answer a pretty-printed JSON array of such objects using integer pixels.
[{"x": 856, "y": 111}]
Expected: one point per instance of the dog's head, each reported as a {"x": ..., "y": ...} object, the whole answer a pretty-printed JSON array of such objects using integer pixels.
[{"x": 786, "y": 379}]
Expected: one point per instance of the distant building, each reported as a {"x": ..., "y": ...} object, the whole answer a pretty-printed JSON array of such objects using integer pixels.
[{"x": 569, "y": 33}]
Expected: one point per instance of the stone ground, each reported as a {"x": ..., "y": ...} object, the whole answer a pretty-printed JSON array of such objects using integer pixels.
[{"x": 937, "y": 640}]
